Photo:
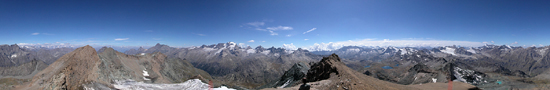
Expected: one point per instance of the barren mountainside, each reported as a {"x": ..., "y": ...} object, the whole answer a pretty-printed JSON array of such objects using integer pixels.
[{"x": 84, "y": 68}]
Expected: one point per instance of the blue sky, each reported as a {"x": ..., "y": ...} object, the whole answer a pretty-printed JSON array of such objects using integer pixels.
[{"x": 194, "y": 23}]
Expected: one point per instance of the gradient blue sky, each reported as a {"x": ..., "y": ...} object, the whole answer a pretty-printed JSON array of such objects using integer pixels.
[{"x": 188, "y": 23}]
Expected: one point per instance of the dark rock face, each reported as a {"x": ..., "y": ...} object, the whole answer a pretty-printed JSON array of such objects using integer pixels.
[
  {"x": 260, "y": 49},
  {"x": 413, "y": 71},
  {"x": 290, "y": 78},
  {"x": 323, "y": 69}
]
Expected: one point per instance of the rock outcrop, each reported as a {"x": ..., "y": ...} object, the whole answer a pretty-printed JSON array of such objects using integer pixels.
[
  {"x": 292, "y": 77},
  {"x": 331, "y": 74}
]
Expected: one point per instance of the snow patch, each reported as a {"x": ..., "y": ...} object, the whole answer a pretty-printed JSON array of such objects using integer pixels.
[
  {"x": 145, "y": 75},
  {"x": 471, "y": 50},
  {"x": 208, "y": 49},
  {"x": 14, "y": 56},
  {"x": 223, "y": 88},
  {"x": 266, "y": 52},
  {"x": 220, "y": 50},
  {"x": 286, "y": 83},
  {"x": 193, "y": 84},
  {"x": 434, "y": 80},
  {"x": 449, "y": 50},
  {"x": 250, "y": 51},
  {"x": 142, "y": 54},
  {"x": 403, "y": 51},
  {"x": 543, "y": 51},
  {"x": 354, "y": 50},
  {"x": 232, "y": 45}
]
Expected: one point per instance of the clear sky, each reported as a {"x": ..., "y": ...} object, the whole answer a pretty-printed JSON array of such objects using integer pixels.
[{"x": 300, "y": 23}]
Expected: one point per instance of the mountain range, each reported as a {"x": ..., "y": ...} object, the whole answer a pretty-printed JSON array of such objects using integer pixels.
[{"x": 228, "y": 64}]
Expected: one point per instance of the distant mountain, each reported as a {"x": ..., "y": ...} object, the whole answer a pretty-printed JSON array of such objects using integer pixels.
[
  {"x": 523, "y": 63},
  {"x": 12, "y": 55},
  {"x": 229, "y": 62},
  {"x": 251, "y": 67},
  {"x": 332, "y": 74},
  {"x": 17, "y": 62}
]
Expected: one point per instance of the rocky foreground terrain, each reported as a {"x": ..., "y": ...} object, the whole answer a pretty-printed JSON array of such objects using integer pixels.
[{"x": 84, "y": 68}]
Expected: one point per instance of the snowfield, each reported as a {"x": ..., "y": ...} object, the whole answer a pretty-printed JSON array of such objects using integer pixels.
[{"x": 193, "y": 84}]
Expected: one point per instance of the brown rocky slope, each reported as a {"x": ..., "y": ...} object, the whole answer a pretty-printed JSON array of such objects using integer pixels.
[{"x": 85, "y": 68}]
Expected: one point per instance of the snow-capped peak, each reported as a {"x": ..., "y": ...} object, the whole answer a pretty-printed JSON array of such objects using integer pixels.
[{"x": 231, "y": 44}]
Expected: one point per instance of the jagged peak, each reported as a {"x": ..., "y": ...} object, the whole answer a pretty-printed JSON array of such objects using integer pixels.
[
  {"x": 14, "y": 45},
  {"x": 259, "y": 47},
  {"x": 332, "y": 57}
]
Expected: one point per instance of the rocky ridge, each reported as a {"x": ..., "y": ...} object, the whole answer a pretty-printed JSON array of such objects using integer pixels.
[{"x": 84, "y": 68}]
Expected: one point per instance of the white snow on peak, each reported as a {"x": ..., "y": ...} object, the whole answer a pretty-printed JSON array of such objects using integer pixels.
[
  {"x": 232, "y": 45},
  {"x": 449, "y": 50},
  {"x": 142, "y": 54}
]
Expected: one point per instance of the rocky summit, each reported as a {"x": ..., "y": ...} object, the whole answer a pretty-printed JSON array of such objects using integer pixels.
[
  {"x": 84, "y": 68},
  {"x": 71, "y": 71}
]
